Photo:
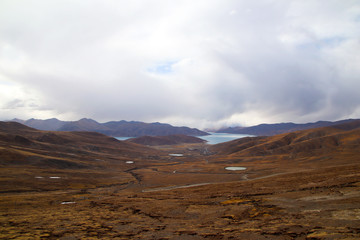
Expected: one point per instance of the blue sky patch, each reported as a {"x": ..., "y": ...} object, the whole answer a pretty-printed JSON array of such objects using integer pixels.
[{"x": 162, "y": 67}]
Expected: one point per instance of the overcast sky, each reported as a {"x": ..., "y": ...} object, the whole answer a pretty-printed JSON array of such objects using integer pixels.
[{"x": 201, "y": 63}]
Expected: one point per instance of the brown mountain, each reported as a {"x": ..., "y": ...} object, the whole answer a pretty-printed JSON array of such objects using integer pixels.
[
  {"x": 318, "y": 142},
  {"x": 22, "y": 145},
  {"x": 165, "y": 140},
  {"x": 279, "y": 128}
]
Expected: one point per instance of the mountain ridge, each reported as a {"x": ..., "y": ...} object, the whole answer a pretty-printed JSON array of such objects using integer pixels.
[
  {"x": 279, "y": 128},
  {"x": 113, "y": 128}
]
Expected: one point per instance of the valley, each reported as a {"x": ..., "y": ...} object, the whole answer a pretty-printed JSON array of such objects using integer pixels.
[{"x": 85, "y": 185}]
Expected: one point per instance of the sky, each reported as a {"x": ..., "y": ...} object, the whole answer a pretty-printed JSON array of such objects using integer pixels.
[{"x": 203, "y": 63}]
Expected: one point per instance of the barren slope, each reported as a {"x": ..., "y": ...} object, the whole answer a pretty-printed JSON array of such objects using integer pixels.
[{"x": 303, "y": 185}]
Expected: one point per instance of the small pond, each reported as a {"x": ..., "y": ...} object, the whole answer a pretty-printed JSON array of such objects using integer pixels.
[
  {"x": 64, "y": 203},
  {"x": 235, "y": 168}
]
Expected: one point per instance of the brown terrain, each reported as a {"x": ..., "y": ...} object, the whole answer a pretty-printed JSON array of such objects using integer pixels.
[{"x": 84, "y": 185}]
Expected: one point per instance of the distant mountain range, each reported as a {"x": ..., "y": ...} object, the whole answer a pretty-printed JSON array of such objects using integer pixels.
[
  {"x": 138, "y": 129},
  {"x": 114, "y": 128},
  {"x": 278, "y": 128}
]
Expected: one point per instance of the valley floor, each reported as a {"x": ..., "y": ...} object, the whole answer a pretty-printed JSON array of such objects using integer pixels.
[{"x": 155, "y": 200}]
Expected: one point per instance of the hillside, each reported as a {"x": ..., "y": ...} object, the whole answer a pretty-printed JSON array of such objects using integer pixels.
[
  {"x": 85, "y": 185},
  {"x": 19, "y": 135},
  {"x": 165, "y": 140},
  {"x": 310, "y": 143},
  {"x": 279, "y": 128},
  {"x": 136, "y": 129},
  {"x": 24, "y": 151},
  {"x": 113, "y": 128}
]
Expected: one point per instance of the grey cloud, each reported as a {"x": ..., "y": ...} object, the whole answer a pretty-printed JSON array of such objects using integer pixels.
[
  {"x": 244, "y": 61},
  {"x": 16, "y": 103}
]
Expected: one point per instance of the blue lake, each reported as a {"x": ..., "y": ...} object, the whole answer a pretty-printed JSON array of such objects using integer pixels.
[
  {"x": 216, "y": 138},
  {"x": 213, "y": 138},
  {"x": 123, "y": 138}
]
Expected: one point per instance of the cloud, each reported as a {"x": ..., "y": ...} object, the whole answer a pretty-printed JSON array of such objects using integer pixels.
[{"x": 203, "y": 63}]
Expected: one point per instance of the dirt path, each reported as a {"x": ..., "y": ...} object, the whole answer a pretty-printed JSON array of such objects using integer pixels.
[
  {"x": 174, "y": 187},
  {"x": 208, "y": 183}
]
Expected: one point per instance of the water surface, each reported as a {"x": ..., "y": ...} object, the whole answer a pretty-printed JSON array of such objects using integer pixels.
[
  {"x": 123, "y": 138},
  {"x": 176, "y": 154},
  {"x": 213, "y": 138},
  {"x": 235, "y": 168},
  {"x": 216, "y": 138}
]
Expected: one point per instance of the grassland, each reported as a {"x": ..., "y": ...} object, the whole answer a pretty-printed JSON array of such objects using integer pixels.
[{"x": 302, "y": 185}]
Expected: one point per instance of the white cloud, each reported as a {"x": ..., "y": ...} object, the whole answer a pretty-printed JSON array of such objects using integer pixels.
[{"x": 201, "y": 63}]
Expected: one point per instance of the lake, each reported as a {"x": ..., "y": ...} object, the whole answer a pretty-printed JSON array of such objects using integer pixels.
[
  {"x": 216, "y": 138},
  {"x": 123, "y": 138},
  {"x": 213, "y": 138}
]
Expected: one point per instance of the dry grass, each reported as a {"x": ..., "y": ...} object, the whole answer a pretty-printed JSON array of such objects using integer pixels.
[{"x": 281, "y": 195}]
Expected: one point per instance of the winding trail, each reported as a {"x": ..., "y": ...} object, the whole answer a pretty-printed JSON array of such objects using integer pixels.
[
  {"x": 174, "y": 187},
  {"x": 207, "y": 183}
]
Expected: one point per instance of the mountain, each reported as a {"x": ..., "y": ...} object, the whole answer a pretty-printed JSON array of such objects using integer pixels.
[
  {"x": 165, "y": 140},
  {"x": 52, "y": 124},
  {"x": 136, "y": 129},
  {"x": 279, "y": 128},
  {"x": 113, "y": 128},
  {"x": 84, "y": 124},
  {"x": 309, "y": 143},
  {"x": 24, "y": 146}
]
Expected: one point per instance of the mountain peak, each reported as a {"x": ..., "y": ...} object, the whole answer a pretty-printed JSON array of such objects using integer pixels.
[{"x": 87, "y": 120}]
